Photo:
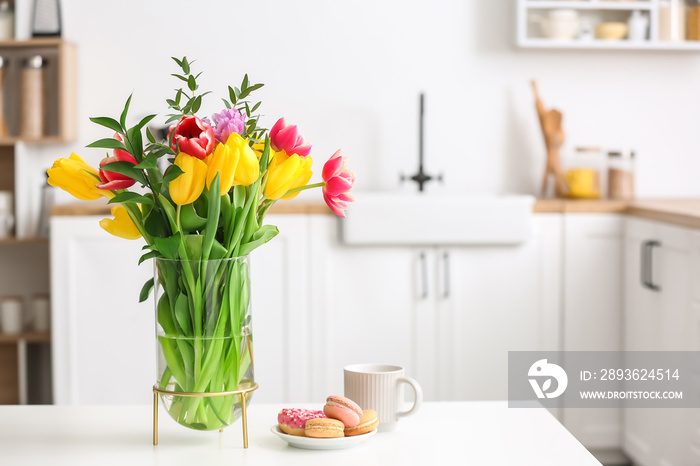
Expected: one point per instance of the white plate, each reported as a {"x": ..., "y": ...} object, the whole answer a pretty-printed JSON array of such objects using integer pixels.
[{"x": 309, "y": 443}]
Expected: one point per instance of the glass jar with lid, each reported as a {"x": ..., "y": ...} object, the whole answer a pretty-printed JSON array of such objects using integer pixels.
[
  {"x": 621, "y": 174},
  {"x": 672, "y": 20}
]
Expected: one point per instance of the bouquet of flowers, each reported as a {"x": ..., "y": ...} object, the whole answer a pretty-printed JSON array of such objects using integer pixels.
[{"x": 204, "y": 195}]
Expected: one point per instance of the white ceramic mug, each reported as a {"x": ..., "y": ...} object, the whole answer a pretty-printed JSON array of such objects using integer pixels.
[
  {"x": 11, "y": 314},
  {"x": 41, "y": 313},
  {"x": 379, "y": 387}
]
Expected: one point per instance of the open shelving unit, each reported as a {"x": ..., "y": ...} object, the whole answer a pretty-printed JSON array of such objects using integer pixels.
[
  {"x": 24, "y": 258},
  {"x": 528, "y": 34}
]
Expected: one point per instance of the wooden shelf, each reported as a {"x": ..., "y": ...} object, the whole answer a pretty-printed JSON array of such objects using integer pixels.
[
  {"x": 529, "y": 34},
  {"x": 28, "y": 240},
  {"x": 28, "y": 337},
  {"x": 35, "y": 42},
  {"x": 610, "y": 45},
  {"x": 588, "y": 5},
  {"x": 11, "y": 141}
]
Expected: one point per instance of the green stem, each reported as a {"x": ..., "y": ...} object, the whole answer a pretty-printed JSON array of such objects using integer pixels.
[{"x": 303, "y": 188}]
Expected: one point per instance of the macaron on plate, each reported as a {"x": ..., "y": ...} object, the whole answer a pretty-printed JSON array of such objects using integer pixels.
[
  {"x": 341, "y": 424},
  {"x": 310, "y": 443}
]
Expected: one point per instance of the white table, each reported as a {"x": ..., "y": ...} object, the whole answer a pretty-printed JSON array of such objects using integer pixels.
[{"x": 475, "y": 433}]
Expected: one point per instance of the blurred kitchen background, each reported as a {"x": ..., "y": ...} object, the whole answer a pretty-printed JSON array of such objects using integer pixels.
[{"x": 350, "y": 75}]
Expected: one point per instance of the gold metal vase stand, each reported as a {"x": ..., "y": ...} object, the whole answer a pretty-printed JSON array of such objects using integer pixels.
[{"x": 243, "y": 394}]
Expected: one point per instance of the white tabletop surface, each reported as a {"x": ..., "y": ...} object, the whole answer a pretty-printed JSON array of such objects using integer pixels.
[{"x": 475, "y": 433}]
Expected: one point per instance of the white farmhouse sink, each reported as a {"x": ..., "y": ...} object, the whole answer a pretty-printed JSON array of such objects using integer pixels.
[{"x": 428, "y": 219}]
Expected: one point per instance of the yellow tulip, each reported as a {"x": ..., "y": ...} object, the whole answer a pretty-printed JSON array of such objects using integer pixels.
[
  {"x": 236, "y": 163},
  {"x": 186, "y": 188},
  {"x": 121, "y": 225},
  {"x": 287, "y": 172},
  {"x": 224, "y": 162},
  {"x": 248, "y": 168},
  {"x": 77, "y": 178}
]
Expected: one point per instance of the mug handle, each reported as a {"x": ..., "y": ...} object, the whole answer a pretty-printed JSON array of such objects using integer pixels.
[{"x": 419, "y": 396}]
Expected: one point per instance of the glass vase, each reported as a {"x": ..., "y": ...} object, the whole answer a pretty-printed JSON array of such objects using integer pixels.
[{"x": 204, "y": 339}]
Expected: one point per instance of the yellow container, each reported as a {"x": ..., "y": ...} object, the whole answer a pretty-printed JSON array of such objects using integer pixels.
[{"x": 584, "y": 183}]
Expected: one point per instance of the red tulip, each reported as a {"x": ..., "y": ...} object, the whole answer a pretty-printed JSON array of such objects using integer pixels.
[
  {"x": 193, "y": 137},
  {"x": 338, "y": 181},
  {"x": 284, "y": 137},
  {"x": 114, "y": 180}
]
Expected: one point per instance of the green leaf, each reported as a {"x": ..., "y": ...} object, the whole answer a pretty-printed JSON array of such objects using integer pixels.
[
  {"x": 193, "y": 247},
  {"x": 146, "y": 290},
  {"x": 110, "y": 123},
  {"x": 168, "y": 246},
  {"x": 185, "y": 65},
  {"x": 244, "y": 85},
  {"x": 197, "y": 104},
  {"x": 239, "y": 195},
  {"x": 255, "y": 107},
  {"x": 214, "y": 198},
  {"x": 108, "y": 143},
  {"x": 260, "y": 237},
  {"x": 149, "y": 135},
  {"x": 126, "y": 168},
  {"x": 145, "y": 120},
  {"x": 122, "y": 119},
  {"x": 247, "y": 92},
  {"x": 179, "y": 62},
  {"x": 151, "y": 161},
  {"x": 232, "y": 94},
  {"x": 156, "y": 224},
  {"x": 189, "y": 219},
  {"x": 217, "y": 251},
  {"x": 181, "y": 78},
  {"x": 192, "y": 83},
  {"x": 134, "y": 142},
  {"x": 182, "y": 314},
  {"x": 165, "y": 316},
  {"x": 171, "y": 173},
  {"x": 128, "y": 196}
]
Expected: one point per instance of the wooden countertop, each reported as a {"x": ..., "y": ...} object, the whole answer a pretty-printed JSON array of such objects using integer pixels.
[
  {"x": 101, "y": 208},
  {"x": 681, "y": 212}
]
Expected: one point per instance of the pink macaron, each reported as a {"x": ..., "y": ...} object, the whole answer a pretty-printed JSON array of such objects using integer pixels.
[{"x": 343, "y": 409}]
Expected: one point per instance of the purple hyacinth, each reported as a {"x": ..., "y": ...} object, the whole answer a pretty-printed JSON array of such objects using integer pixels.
[{"x": 226, "y": 122}]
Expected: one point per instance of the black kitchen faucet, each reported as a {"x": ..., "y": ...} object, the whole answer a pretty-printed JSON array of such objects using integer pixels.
[{"x": 421, "y": 177}]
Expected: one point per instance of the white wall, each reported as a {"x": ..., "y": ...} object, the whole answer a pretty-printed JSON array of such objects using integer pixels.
[{"x": 350, "y": 73}]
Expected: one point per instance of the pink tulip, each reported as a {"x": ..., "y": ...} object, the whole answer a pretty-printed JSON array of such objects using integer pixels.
[
  {"x": 338, "y": 181},
  {"x": 284, "y": 137},
  {"x": 193, "y": 137},
  {"x": 113, "y": 180}
]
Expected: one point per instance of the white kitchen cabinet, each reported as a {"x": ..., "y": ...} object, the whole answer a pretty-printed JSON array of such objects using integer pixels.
[
  {"x": 279, "y": 296},
  {"x": 450, "y": 315},
  {"x": 361, "y": 306},
  {"x": 104, "y": 344},
  {"x": 593, "y": 302},
  {"x": 658, "y": 317}
]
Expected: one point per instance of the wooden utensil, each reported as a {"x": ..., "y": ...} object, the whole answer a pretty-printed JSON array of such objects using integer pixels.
[{"x": 554, "y": 136}]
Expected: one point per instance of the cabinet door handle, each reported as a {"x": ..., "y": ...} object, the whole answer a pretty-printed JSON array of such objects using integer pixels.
[
  {"x": 648, "y": 265},
  {"x": 424, "y": 276},
  {"x": 446, "y": 275}
]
